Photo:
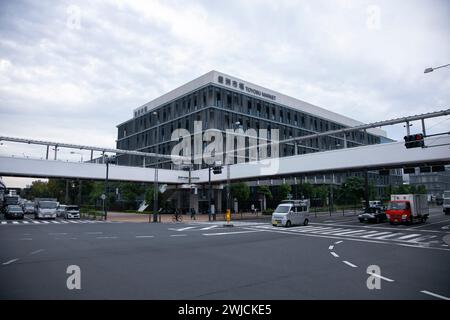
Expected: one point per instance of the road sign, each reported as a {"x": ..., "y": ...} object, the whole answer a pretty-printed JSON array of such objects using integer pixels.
[{"x": 103, "y": 196}]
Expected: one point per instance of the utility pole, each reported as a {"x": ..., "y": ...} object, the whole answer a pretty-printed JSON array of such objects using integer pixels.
[
  {"x": 209, "y": 193},
  {"x": 105, "y": 201}
]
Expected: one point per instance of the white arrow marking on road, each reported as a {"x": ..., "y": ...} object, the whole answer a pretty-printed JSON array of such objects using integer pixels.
[
  {"x": 9, "y": 262},
  {"x": 435, "y": 295},
  {"x": 350, "y": 264},
  {"x": 330, "y": 247}
]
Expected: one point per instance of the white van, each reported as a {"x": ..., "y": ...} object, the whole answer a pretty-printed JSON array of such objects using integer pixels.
[{"x": 291, "y": 212}]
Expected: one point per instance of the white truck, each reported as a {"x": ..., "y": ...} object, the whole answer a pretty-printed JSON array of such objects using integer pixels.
[
  {"x": 45, "y": 208},
  {"x": 291, "y": 212},
  {"x": 446, "y": 203},
  {"x": 407, "y": 208}
]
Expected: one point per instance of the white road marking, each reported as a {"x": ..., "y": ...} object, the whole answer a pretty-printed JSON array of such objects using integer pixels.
[
  {"x": 57, "y": 234},
  {"x": 46, "y": 222},
  {"x": 421, "y": 238},
  {"x": 178, "y": 235},
  {"x": 25, "y": 222},
  {"x": 381, "y": 277},
  {"x": 226, "y": 233},
  {"x": 337, "y": 242},
  {"x": 210, "y": 227},
  {"x": 114, "y": 237},
  {"x": 26, "y": 239},
  {"x": 94, "y": 232},
  {"x": 53, "y": 221},
  {"x": 15, "y": 222},
  {"x": 187, "y": 228},
  {"x": 350, "y": 232},
  {"x": 37, "y": 251},
  {"x": 145, "y": 236},
  {"x": 4, "y": 222},
  {"x": 9, "y": 262},
  {"x": 409, "y": 236},
  {"x": 330, "y": 247},
  {"x": 375, "y": 234},
  {"x": 429, "y": 224},
  {"x": 334, "y": 254},
  {"x": 389, "y": 236},
  {"x": 34, "y": 221},
  {"x": 350, "y": 264},
  {"x": 435, "y": 295}
]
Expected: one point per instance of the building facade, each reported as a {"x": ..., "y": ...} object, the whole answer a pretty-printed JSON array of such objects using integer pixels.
[{"x": 223, "y": 102}]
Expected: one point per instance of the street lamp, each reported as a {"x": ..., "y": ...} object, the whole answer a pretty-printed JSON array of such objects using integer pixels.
[
  {"x": 428, "y": 70},
  {"x": 155, "y": 186},
  {"x": 105, "y": 195},
  {"x": 236, "y": 125},
  {"x": 79, "y": 153}
]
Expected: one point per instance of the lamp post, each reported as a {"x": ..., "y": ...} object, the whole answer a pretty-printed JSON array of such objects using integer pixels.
[
  {"x": 105, "y": 198},
  {"x": 155, "y": 185},
  {"x": 428, "y": 70},
  {"x": 235, "y": 126}
]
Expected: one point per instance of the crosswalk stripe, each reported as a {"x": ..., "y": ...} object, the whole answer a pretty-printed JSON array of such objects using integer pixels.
[
  {"x": 4, "y": 222},
  {"x": 46, "y": 222},
  {"x": 34, "y": 221},
  {"x": 15, "y": 222},
  {"x": 421, "y": 238},
  {"x": 374, "y": 234},
  {"x": 388, "y": 236},
  {"x": 25, "y": 222},
  {"x": 409, "y": 236},
  {"x": 350, "y": 232},
  {"x": 56, "y": 222}
]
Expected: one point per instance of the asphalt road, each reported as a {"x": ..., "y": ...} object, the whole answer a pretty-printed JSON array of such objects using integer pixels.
[{"x": 252, "y": 260}]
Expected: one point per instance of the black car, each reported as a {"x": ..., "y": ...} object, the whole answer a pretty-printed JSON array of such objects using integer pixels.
[
  {"x": 14, "y": 211},
  {"x": 372, "y": 214}
]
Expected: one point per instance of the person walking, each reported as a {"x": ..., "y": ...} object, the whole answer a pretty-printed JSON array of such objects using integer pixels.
[{"x": 193, "y": 214}]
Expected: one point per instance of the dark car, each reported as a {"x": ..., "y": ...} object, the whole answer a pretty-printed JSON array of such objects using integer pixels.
[
  {"x": 372, "y": 214},
  {"x": 14, "y": 211}
]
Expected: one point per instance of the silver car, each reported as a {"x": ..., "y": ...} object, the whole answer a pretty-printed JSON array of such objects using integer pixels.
[{"x": 72, "y": 212}]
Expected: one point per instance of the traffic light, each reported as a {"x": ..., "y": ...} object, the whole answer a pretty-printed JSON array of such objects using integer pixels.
[
  {"x": 414, "y": 141},
  {"x": 217, "y": 170}
]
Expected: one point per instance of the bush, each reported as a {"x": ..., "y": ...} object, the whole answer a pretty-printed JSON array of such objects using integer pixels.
[{"x": 267, "y": 212}]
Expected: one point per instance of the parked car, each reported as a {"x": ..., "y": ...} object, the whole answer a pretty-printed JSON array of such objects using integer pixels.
[
  {"x": 14, "y": 211},
  {"x": 28, "y": 207},
  {"x": 61, "y": 210},
  {"x": 72, "y": 212},
  {"x": 372, "y": 214}
]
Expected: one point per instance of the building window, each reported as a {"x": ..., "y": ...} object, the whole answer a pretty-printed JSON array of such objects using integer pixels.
[
  {"x": 234, "y": 83},
  {"x": 227, "y": 81},
  {"x": 241, "y": 86},
  {"x": 220, "y": 79}
]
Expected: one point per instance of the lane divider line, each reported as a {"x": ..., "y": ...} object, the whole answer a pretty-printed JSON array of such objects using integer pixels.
[
  {"x": 381, "y": 277},
  {"x": 334, "y": 254},
  {"x": 435, "y": 295},
  {"x": 9, "y": 262},
  {"x": 350, "y": 264}
]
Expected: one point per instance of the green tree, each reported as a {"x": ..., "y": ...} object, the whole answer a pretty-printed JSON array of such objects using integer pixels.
[
  {"x": 39, "y": 189},
  {"x": 240, "y": 191},
  {"x": 130, "y": 192},
  {"x": 284, "y": 190},
  {"x": 265, "y": 191},
  {"x": 305, "y": 190},
  {"x": 353, "y": 189}
]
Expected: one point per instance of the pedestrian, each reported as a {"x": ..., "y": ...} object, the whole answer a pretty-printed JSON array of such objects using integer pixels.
[{"x": 193, "y": 214}]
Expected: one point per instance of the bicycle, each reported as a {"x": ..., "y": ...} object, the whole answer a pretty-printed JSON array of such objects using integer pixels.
[{"x": 177, "y": 218}]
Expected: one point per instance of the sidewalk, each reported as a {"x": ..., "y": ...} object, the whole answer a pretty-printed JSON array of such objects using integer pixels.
[{"x": 166, "y": 218}]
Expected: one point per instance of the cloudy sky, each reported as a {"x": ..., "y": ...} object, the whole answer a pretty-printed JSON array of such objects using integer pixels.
[{"x": 71, "y": 71}]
